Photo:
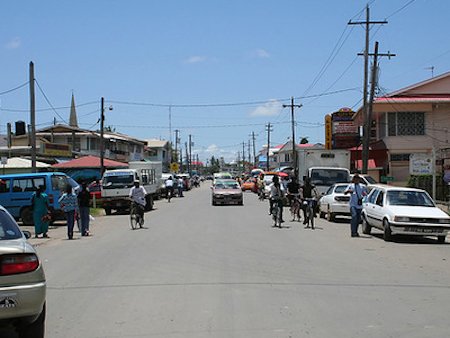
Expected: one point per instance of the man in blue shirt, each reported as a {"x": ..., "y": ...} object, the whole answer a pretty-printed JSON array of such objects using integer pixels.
[{"x": 357, "y": 191}]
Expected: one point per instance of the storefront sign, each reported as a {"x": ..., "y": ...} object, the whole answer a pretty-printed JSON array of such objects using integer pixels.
[
  {"x": 56, "y": 149},
  {"x": 420, "y": 164}
]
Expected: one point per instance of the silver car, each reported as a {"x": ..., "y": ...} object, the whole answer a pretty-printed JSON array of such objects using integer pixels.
[{"x": 22, "y": 281}]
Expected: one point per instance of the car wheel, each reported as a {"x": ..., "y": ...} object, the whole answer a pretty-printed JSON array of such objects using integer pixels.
[
  {"x": 27, "y": 216},
  {"x": 108, "y": 211},
  {"x": 366, "y": 228},
  {"x": 441, "y": 239},
  {"x": 387, "y": 234},
  {"x": 241, "y": 202},
  {"x": 322, "y": 214},
  {"x": 214, "y": 202},
  {"x": 35, "y": 329},
  {"x": 331, "y": 216}
]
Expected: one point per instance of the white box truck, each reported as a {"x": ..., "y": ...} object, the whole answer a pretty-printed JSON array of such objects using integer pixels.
[
  {"x": 324, "y": 167},
  {"x": 116, "y": 184}
]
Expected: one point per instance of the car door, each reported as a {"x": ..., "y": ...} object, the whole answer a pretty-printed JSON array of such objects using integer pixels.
[
  {"x": 369, "y": 207},
  {"x": 326, "y": 199},
  {"x": 378, "y": 209}
]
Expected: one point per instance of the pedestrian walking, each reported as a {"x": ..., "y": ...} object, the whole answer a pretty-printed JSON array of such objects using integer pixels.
[
  {"x": 69, "y": 205},
  {"x": 39, "y": 203},
  {"x": 180, "y": 186},
  {"x": 357, "y": 191},
  {"x": 84, "y": 201}
]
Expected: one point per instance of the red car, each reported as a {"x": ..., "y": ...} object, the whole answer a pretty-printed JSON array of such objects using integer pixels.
[{"x": 95, "y": 189}]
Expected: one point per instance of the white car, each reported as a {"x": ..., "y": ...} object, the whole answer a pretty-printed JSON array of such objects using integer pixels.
[
  {"x": 334, "y": 202},
  {"x": 403, "y": 211}
]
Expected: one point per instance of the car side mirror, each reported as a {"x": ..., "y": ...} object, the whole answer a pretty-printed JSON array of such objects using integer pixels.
[{"x": 27, "y": 234}]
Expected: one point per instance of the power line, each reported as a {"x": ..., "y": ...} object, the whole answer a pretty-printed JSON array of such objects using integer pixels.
[
  {"x": 207, "y": 105},
  {"x": 15, "y": 88},
  {"x": 401, "y": 8},
  {"x": 48, "y": 109},
  {"x": 48, "y": 101}
]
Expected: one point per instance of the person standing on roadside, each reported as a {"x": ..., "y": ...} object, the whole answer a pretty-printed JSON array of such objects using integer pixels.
[
  {"x": 180, "y": 186},
  {"x": 69, "y": 204},
  {"x": 357, "y": 191},
  {"x": 169, "y": 188},
  {"x": 84, "y": 199},
  {"x": 39, "y": 203}
]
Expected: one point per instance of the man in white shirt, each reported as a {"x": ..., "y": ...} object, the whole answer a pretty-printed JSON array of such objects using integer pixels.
[
  {"x": 137, "y": 195},
  {"x": 169, "y": 188}
]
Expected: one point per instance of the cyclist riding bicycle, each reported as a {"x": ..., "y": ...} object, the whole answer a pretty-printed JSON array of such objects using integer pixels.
[
  {"x": 295, "y": 197},
  {"x": 309, "y": 191},
  {"x": 137, "y": 195},
  {"x": 276, "y": 196}
]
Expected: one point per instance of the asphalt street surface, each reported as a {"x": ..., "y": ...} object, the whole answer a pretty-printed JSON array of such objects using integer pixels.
[{"x": 199, "y": 270}]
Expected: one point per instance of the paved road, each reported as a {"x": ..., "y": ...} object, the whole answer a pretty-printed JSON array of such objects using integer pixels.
[{"x": 202, "y": 271}]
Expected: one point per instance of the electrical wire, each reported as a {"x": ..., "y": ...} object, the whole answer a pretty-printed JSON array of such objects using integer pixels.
[
  {"x": 48, "y": 101},
  {"x": 401, "y": 8},
  {"x": 48, "y": 109},
  {"x": 15, "y": 88}
]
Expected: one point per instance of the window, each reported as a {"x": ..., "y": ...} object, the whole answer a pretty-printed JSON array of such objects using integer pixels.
[
  {"x": 59, "y": 183},
  {"x": 406, "y": 123},
  {"x": 399, "y": 157},
  {"x": 380, "y": 198},
  {"x": 287, "y": 158},
  {"x": 94, "y": 143},
  {"x": 28, "y": 184},
  {"x": 373, "y": 196},
  {"x": 4, "y": 185}
]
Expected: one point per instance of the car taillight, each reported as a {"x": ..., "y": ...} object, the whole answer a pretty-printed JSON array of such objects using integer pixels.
[
  {"x": 50, "y": 199},
  {"x": 14, "y": 264}
]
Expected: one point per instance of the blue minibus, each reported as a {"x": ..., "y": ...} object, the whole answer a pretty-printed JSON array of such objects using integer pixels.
[{"x": 16, "y": 191}]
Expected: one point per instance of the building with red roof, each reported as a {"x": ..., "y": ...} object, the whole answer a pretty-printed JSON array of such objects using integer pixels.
[{"x": 410, "y": 121}]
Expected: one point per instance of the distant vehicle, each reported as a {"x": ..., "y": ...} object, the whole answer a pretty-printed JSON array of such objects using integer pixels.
[
  {"x": 226, "y": 191},
  {"x": 249, "y": 184},
  {"x": 95, "y": 190},
  {"x": 22, "y": 281},
  {"x": 403, "y": 211},
  {"x": 365, "y": 179},
  {"x": 334, "y": 202},
  {"x": 16, "y": 191},
  {"x": 324, "y": 167},
  {"x": 222, "y": 176},
  {"x": 116, "y": 185}
]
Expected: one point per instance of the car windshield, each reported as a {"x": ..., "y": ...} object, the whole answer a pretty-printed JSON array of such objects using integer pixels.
[
  {"x": 118, "y": 181},
  {"x": 409, "y": 198},
  {"x": 329, "y": 176},
  {"x": 340, "y": 189},
  {"x": 227, "y": 185},
  {"x": 370, "y": 179},
  {"x": 8, "y": 228}
]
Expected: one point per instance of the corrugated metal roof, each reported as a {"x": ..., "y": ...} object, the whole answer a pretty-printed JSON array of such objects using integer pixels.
[{"x": 89, "y": 162}]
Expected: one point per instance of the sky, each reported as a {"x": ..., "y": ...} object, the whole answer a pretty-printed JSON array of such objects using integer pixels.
[{"x": 218, "y": 70}]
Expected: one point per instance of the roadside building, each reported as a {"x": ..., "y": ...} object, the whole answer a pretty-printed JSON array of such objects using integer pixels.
[
  {"x": 410, "y": 123},
  {"x": 158, "y": 150}
]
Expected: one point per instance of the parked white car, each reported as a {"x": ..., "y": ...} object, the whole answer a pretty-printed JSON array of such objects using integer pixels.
[
  {"x": 403, "y": 211},
  {"x": 334, "y": 202}
]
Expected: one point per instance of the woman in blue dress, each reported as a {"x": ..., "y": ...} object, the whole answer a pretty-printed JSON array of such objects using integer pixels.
[{"x": 40, "y": 209}]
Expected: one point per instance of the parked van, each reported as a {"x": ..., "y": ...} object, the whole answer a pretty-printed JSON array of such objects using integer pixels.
[{"x": 16, "y": 191}]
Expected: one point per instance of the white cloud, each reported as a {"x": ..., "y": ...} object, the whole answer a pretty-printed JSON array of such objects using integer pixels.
[
  {"x": 262, "y": 53},
  {"x": 195, "y": 59},
  {"x": 271, "y": 108},
  {"x": 212, "y": 149},
  {"x": 13, "y": 43}
]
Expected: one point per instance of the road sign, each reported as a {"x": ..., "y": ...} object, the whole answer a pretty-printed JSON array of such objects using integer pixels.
[
  {"x": 174, "y": 167},
  {"x": 386, "y": 178}
]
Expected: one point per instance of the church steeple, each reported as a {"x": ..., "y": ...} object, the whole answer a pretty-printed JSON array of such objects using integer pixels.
[{"x": 73, "y": 121}]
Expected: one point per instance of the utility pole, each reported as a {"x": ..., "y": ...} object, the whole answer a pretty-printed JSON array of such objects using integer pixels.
[
  {"x": 254, "y": 150},
  {"x": 176, "y": 143},
  {"x": 249, "y": 153},
  {"x": 243, "y": 157},
  {"x": 367, "y": 23},
  {"x": 238, "y": 159},
  {"x": 294, "y": 150},
  {"x": 102, "y": 141},
  {"x": 187, "y": 156},
  {"x": 190, "y": 155},
  {"x": 269, "y": 129},
  {"x": 32, "y": 119},
  {"x": 368, "y": 112}
]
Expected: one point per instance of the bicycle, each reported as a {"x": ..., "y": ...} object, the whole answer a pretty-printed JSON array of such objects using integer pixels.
[
  {"x": 276, "y": 212},
  {"x": 295, "y": 207},
  {"x": 308, "y": 204},
  {"x": 136, "y": 215}
]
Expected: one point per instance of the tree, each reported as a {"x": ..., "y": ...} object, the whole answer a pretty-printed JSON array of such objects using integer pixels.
[{"x": 304, "y": 140}]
